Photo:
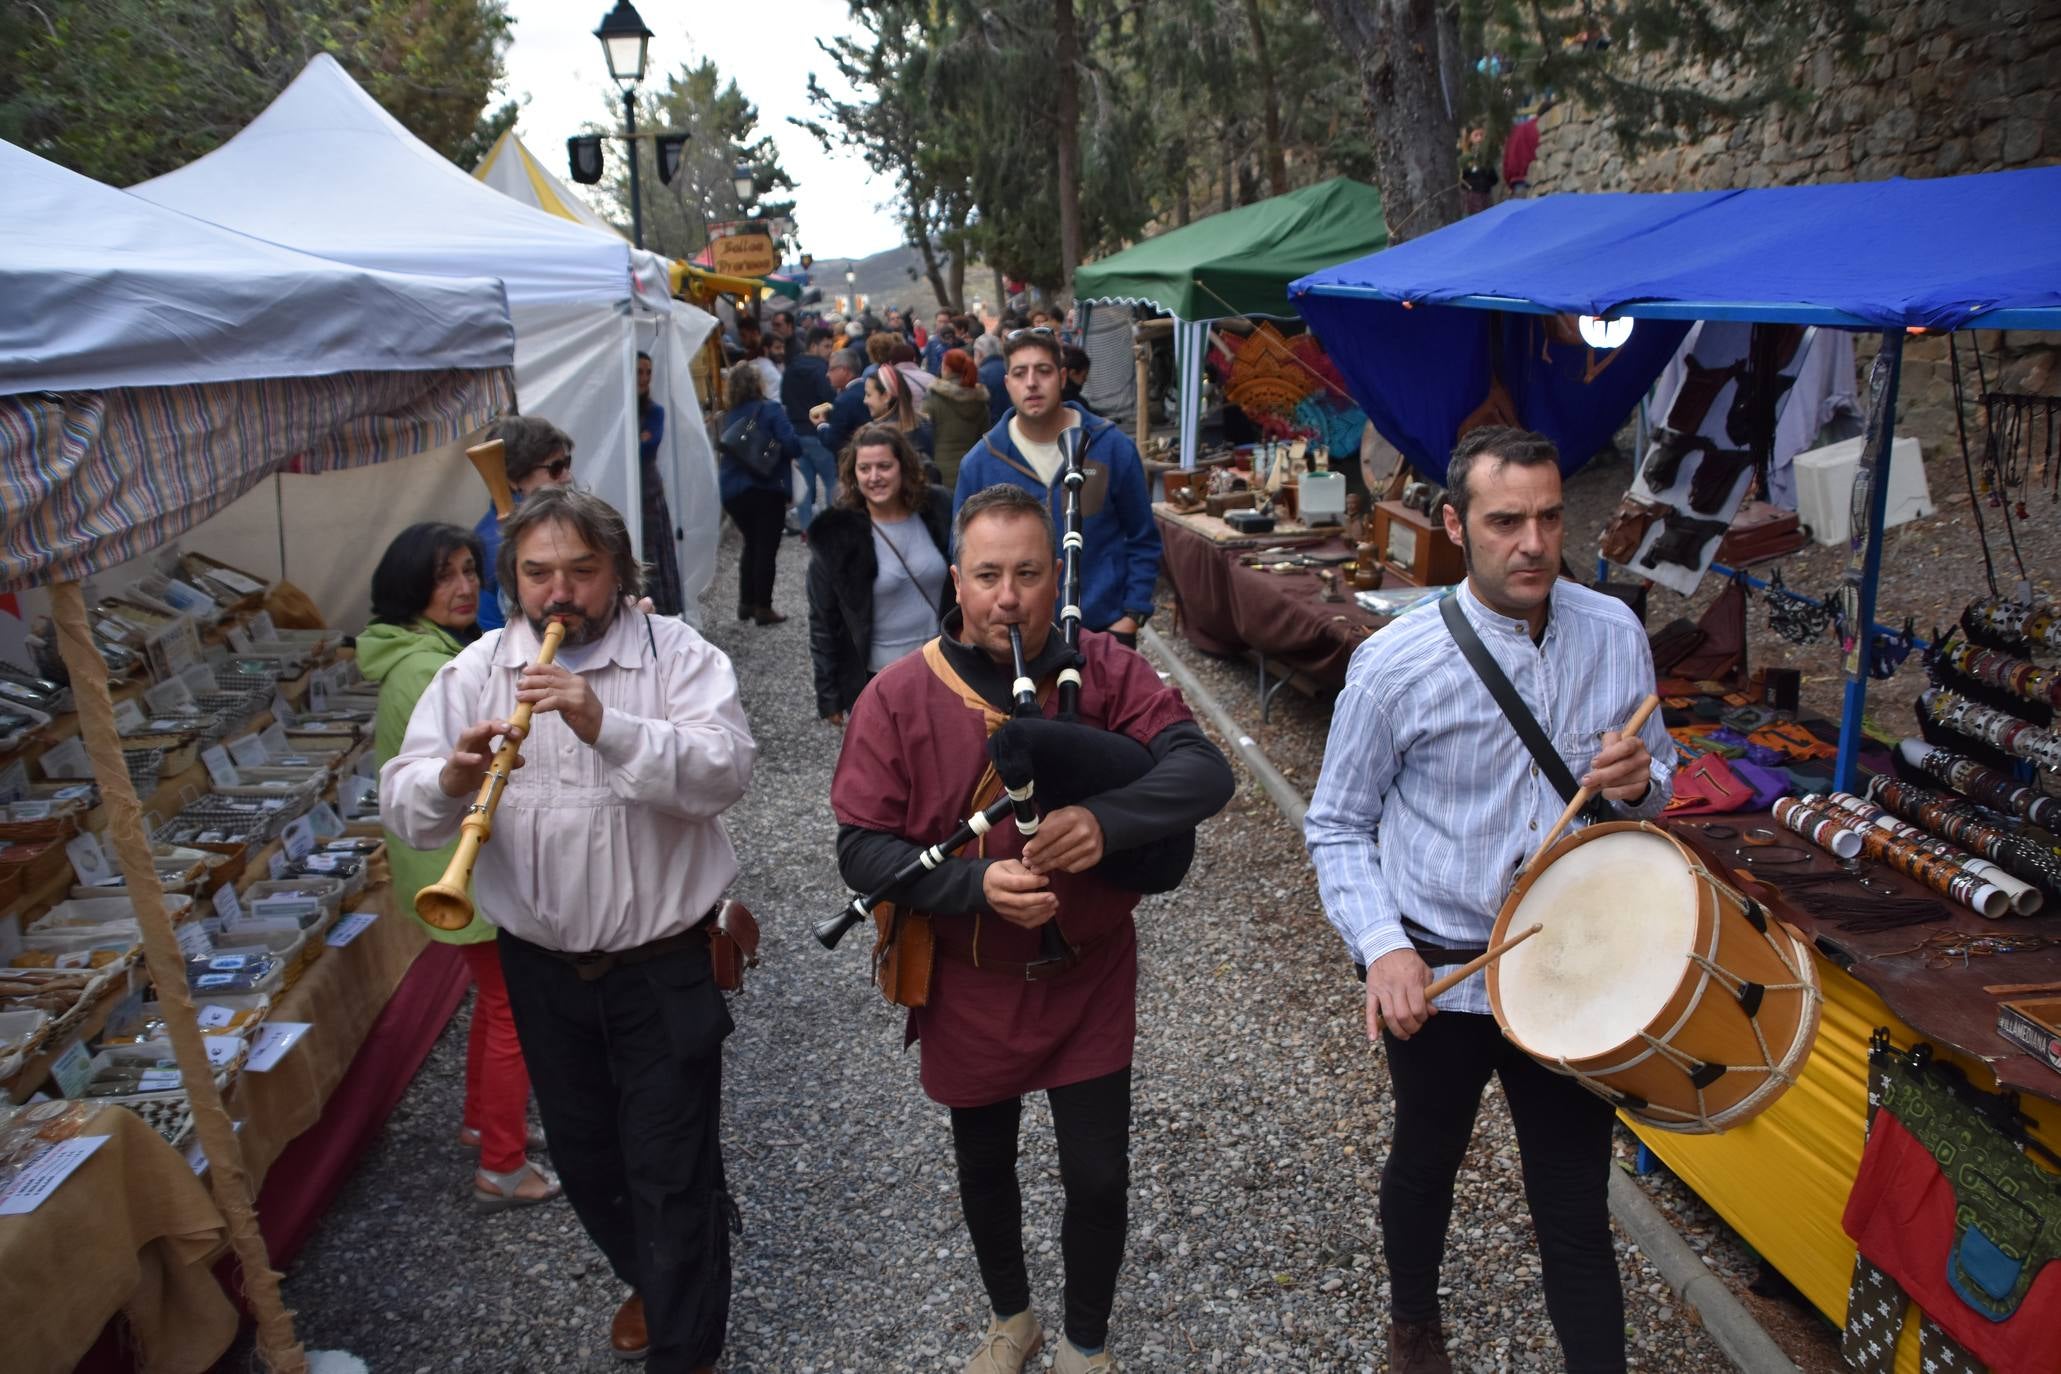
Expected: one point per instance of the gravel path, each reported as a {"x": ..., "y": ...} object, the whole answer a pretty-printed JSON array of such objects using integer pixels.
[{"x": 1260, "y": 1117}]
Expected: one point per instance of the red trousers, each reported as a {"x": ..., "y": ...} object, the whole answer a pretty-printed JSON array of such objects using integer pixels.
[{"x": 497, "y": 1082}]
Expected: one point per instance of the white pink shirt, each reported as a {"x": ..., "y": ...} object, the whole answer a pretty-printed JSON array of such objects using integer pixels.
[{"x": 595, "y": 847}]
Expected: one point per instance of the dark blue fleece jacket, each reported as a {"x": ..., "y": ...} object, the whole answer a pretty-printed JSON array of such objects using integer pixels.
[{"x": 1120, "y": 553}]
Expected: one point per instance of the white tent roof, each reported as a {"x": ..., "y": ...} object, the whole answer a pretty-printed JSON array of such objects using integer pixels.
[
  {"x": 324, "y": 169},
  {"x": 103, "y": 290}
]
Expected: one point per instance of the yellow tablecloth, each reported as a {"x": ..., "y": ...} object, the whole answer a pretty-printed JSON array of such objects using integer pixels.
[{"x": 1781, "y": 1180}]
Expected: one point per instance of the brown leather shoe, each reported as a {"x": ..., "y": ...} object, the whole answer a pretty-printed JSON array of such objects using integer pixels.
[
  {"x": 766, "y": 615},
  {"x": 1417, "y": 1348},
  {"x": 627, "y": 1338}
]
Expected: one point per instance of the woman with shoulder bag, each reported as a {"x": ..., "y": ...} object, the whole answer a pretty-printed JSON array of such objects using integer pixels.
[
  {"x": 879, "y": 578},
  {"x": 758, "y": 445}
]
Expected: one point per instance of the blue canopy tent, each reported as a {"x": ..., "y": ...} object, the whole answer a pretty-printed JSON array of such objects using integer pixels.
[{"x": 1424, "y": 331}]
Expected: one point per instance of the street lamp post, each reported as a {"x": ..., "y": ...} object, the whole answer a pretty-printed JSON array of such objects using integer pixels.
[{"x": 625, "y": 42}]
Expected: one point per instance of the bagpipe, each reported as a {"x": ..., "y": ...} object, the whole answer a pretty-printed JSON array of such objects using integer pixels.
[{"x": 1045, "y": 764}]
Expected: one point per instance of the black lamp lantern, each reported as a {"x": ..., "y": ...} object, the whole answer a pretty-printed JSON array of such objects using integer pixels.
[
  {"x": 742, "y": 182},
  {"x": 624, "y": 39}
]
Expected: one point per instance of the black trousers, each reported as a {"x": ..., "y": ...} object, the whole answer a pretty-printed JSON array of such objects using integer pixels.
[
  {"x": 628, "y": 1073},
  {"x": 1092, "y": 1122},
  {"x": 760, "y": 516},
  {"x": 1563, "y": 1139}
]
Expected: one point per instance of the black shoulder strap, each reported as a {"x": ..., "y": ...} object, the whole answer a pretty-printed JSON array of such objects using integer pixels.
[{"x": 1514, "y": 710}]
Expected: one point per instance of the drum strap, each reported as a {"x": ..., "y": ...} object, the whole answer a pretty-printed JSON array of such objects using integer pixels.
[{"x": 1516, "y": 712}]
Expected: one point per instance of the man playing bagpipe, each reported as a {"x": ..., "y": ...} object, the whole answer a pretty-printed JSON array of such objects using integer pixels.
[{"x": 1002, "y": 1005}]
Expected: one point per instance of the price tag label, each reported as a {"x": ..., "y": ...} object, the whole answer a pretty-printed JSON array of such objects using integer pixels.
[
  {"x": 261, "y": 628},
  {"x": 350, "y": 928},
  {"x": 220, "y": 770},
  {"x": 90, "y": 862},
  {"x": 176, "y": 648},
  {"x": 128, "y": 716},
  {"x": 250, "y": 751},
  {"x": 325, "y": 821},
  {"x": 194, "y": 942},
  {"x": 214, "y": 1017},
  {"x": 277, "y": 864},
  {"x": 169, "y": 697},
  {"x": 72, "y": 1070},
  {"x": 227, "y": 905},
  {"x": 281, "y": 712},
  {"x": 239, "y": 640},
  {"x": 66, "y": 760},
  {"x": 158, "y": 1081},
  {"x": 274, "y": 736},
  {"x": 40, "y": 1177},
  {"x": 274, "y": 1039},
  {"x": 299, "y": 837},
  {"x": 223, "y": 1049},
  {"x": 14, "y": 781}
]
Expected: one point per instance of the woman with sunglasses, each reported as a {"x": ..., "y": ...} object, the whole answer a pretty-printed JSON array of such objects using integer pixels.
[{"x": 536, "y": 454}]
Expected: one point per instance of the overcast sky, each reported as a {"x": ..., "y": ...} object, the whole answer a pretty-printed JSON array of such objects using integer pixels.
[{"x": 556, "y": 69}]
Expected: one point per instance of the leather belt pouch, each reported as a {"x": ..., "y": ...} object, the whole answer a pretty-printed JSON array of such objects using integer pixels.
[
  {"x": 733, "y": 944},
  {"x": 904, "y": 953}
]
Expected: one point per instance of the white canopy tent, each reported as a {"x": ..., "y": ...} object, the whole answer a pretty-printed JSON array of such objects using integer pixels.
[{"x": 327, "y": 171}]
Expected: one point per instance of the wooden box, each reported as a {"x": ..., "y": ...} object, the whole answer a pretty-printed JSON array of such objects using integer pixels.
[
  {"x": 2036, "y": 1025},
  {"x": 1414, "y": 548}
]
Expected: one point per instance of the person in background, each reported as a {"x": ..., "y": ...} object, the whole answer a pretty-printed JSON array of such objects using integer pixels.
[
  {"x": 769, "y": 366},
  {"x": 535, "y": 454},
  {"x": 1120, "y": 558},
  {"x": 781, "y": 327},
  {"x": 890, "y": 400},
  {"x": 804, "y": 386},
  {"x": 880, "y": 347},
  {"x": 836, "y": 420},
  {"x": 957, "y": 408},
  {"x": 661, "y": 553},
  {"x": 1077, "y": 363},
  {"x": 878, "y": 585},
  {"x": 757, "y": 504},
  {"x": 425, "y": 605},
  {"x": 944, "y": 335},
  {"x": 993, "y": 374}
]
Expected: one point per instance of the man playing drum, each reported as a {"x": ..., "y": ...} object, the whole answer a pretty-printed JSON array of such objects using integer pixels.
[{"x": 1428, "y": 805}]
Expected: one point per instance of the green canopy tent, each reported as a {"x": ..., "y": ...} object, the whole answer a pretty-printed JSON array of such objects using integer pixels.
[{"x": 1235, "y": 263}]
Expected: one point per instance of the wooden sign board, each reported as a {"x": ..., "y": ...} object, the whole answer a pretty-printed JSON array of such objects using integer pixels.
[{"x": 745, "y": 255}]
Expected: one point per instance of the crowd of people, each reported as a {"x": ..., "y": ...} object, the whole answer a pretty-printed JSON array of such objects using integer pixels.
[{"x": 933, "y": 526}]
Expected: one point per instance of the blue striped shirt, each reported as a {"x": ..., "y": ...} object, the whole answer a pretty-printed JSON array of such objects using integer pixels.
[{"x": 1429, "y": 801}]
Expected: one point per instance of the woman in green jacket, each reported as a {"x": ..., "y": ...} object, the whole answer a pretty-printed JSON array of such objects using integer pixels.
[{"x": 425, "y": 607}]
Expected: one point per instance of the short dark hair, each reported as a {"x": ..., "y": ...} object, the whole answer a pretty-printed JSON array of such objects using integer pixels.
[
  {"x": 598, "y": 524},
  {"x": 406, "y": 577},
  {"x": 819, "y": 334},
  {"x": 1505, "y": 444},
  {"x": 528, "y": 443},
  {"x": 1015, "y": 342},
  {"x": 1003, "y": 498},
  {"x": 915, "y": 482},
  {"x": 1076, "y": 358}
]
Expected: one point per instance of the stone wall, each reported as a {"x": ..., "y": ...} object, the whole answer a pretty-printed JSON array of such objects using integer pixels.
[{"x": 1942, "y": 88}]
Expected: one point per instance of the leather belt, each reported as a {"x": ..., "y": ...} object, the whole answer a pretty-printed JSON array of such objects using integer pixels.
[
  {"x": 1036, "y": 971},
  {"x": 592, "y": 967}
]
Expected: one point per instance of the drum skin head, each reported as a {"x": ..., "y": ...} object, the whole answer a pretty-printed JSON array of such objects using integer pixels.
[{"x": 1620, "y": 916}]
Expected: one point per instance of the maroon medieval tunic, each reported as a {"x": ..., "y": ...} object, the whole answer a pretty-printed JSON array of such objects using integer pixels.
[{"x": 915, "y": 749}]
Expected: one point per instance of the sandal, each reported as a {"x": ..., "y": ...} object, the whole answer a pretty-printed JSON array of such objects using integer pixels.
[{"x": 531, "y": 1186}]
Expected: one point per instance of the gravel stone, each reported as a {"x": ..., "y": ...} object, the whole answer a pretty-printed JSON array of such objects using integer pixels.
[{"x": 1261, "y": 1120}]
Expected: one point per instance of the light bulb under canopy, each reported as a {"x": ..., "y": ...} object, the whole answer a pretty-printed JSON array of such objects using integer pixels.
[{"x": 1604, "y": 332}]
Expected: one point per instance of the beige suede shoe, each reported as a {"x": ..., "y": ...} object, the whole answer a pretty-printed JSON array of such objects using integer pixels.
[
  {"x": 1008, "y": 1346},
  {"x": 1071, "y": 1361}
]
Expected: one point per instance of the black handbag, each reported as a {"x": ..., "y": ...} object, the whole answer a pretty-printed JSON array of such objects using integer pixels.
[{"x": 756, "y": 450}]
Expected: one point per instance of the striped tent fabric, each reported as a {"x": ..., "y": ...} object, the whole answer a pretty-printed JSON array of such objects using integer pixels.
[{"x": 91, "y": 479}]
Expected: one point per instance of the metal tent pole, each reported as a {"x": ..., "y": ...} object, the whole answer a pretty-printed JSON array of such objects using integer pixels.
[{"x": 1855, "y": 706}]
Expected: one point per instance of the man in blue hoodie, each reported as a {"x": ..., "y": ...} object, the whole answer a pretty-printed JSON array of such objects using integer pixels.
[{"x": 1120, "y": 554}]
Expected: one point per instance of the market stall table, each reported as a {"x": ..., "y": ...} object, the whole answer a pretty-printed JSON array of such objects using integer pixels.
[
  {"x": 1227, "y": 607},
  {"x": 1782, "y": 1179}
]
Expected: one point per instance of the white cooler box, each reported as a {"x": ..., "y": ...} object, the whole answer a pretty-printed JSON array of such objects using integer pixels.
[{"x": 1824, "y": 487}]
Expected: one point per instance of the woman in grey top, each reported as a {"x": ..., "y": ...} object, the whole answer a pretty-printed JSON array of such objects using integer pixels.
[{"x": 878, "y": 579}]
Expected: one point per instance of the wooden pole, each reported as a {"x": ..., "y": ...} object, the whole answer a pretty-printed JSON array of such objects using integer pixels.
[
  {"x": 226, "y": 1174},
  {"x": 1141, "y": 350}
]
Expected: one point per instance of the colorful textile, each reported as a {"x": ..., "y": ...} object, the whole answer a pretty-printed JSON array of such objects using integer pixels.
[
  {"x": 91, "y": 479},
  {"x": 1876, "y": 1312}
]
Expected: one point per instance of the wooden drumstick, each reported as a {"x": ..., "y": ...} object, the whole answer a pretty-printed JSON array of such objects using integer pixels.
[
  {"x": 2018, "y": 989},
  {"x": 1438, "y": 987},
  {"x": 1582, "y": 797}
]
